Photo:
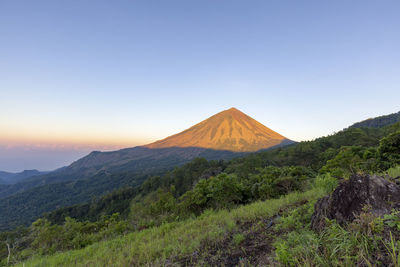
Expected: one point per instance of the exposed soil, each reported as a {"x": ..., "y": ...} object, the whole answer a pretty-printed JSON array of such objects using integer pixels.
[
  {"x": 253, "y": 250},
  {"x": 256, "y": 249}
]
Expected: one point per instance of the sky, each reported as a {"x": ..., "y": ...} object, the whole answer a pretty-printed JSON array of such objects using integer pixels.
[{"x": 80, "y": 75}]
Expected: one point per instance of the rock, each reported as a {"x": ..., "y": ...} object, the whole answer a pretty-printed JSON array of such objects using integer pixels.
[{"x": 351, "y": 196}]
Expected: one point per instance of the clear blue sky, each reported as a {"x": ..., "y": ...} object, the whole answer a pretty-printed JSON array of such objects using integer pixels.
[{"x": 82, "y": 75}]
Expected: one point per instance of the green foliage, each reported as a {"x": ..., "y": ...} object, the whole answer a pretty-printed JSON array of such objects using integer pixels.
[
  {"x": 313, "y": 154},
  {"x": 297, "y": 249},
  {"x": 44, "y": 238},
  {"x": 345, "y": 163},
  {"x": 183, "y": 178},
  {"x": 296, "y": 219},
  {"x": 221, "y": 191},
  {"x": 378, "y": 122},
  {"x": 228, "y": 190},
  {"x": 155, "y": 246},
  {"x": 389, "y": 150},
  {"x": 350, "y": 160},
  {"x": 394, "y": 251},
  {"x": 116, "y": 202},
  {"x": 394, "y": 172},
  {"x": 367, "y": 223},
  {"x": 119, "y": 201},
  {"x": 218, "y": 192},
  {"x": 272, "y": 181},
  {"x": 153, "y": 209},
  {"x": 23, "y": 208},
  {"x": 326, "y": 181},
  {"x": 238, "y": 239},
  {"x": 393, "y": 219},
  {"x": 333, "y": 247},
  {"x": 17, "y": 240},
  {"x": 362, "y": 242}
]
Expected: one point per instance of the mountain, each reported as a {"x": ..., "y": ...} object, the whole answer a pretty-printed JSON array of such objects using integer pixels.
[
  {"x": 226, "y": 135},
  {"x": 378, "y": 122},
  {"x": 12, "y": 178},
  {"x": 230, "y": 130}
]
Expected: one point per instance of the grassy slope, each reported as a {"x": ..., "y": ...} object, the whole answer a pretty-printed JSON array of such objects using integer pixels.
[{"x": 156, "y": 245}]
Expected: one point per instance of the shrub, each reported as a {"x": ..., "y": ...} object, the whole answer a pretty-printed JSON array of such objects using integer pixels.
[
  {"x": 238, "y": 239},
  {"x": 389, "y": 150}
]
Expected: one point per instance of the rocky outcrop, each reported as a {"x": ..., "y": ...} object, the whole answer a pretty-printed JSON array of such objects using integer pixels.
[{"x": 351, "y": 196}]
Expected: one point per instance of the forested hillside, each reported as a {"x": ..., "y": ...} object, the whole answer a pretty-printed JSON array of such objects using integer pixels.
[
  {"x": 92, "y": 176},
  {"x": 12, "y": 178},
  {"x": 312, "y": 154},
  {"x": 378, "y": 122}
]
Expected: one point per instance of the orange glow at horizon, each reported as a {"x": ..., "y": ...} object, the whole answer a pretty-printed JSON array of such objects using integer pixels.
[{"x": 53, "y": 141}]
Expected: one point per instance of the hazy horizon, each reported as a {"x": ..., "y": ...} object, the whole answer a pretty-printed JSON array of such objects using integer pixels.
[
  {"x": 41, "y": 156},
  {"x": 78, "y": 76}
]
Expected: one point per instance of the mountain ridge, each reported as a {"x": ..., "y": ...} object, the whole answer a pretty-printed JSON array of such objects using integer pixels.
[
  {"x": 13, "y": 178},
  {"x": 378, "y": 122}
]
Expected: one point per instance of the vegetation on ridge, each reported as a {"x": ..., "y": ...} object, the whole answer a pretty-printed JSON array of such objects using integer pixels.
[{"x": 378, "y": 122}]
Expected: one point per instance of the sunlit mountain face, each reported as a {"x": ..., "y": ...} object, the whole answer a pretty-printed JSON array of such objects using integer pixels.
[{"x": 228, "y": 130}]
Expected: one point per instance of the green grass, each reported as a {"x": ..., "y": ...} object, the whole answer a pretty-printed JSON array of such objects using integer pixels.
[
  {"x": 154, "y": 246},
  {"x": 367, "y": 241},
  {"x": 394, "y": 172}
]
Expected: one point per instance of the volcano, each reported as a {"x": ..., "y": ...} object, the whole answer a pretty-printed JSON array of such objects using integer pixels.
[{"x": 230, "y": 130}]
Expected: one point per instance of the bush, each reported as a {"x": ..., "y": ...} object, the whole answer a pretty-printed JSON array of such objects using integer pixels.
[
  {"x": 221, "y": 191},
  {"x": 389, "y": 150},
  {"x": 297, "y": 218},
  {"x": 326, "y": 182}
]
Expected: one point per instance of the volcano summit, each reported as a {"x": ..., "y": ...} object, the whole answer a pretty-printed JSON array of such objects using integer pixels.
[{"x": 228, "y": 130}]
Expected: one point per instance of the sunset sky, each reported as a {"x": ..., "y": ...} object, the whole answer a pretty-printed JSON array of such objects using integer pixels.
[{"x": 77, "y": 76}]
